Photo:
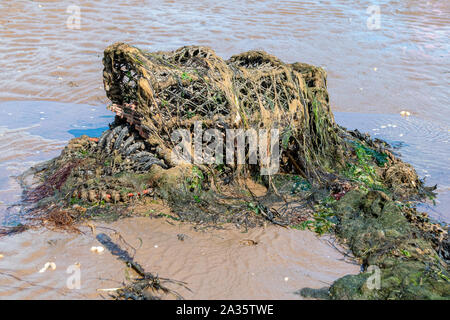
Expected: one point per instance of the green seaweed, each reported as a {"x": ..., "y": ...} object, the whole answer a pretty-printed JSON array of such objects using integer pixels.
[{"x": 379, "y": 234}]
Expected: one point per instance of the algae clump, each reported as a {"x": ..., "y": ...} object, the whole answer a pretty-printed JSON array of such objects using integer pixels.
[{"x": 377, "y": 231}]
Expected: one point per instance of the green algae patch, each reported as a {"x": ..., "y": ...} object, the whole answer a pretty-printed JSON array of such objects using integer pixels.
[{"x": 378, "y": 232}]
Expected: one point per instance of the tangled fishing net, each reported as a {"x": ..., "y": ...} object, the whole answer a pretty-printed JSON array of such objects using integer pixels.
[{"x": 157, "y": 94}]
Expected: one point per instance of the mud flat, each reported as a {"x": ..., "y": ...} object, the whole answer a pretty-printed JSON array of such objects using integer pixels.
[{"x": 215, "y": 264}]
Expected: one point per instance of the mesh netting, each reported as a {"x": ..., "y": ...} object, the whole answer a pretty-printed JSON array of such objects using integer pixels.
[
  {"x": 154, "y": 94},
  {"x": 163, "y": 91}
]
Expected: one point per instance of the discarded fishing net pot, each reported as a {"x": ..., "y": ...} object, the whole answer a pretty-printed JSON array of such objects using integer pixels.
[
  {"x": 155, "y": 95},
  {"x": 161, "y": 92},
  {"x": 328, "y": 178}
]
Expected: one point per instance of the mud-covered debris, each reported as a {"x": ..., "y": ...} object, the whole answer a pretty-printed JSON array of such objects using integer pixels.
[
  {"x": 248, "y": 242},
  {"x": 329, "y": 179},
  {"x": 181, "y": 236},
  {"x": 380, "y": 234}
]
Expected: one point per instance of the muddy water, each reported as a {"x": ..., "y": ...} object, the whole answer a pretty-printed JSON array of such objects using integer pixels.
[
  {"x": 32, "y": 132},
  {"x": 214, "y": 264},
  {"x": 401, "y": 66}
]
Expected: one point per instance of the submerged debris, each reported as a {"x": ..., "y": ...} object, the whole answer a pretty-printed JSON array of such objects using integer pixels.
[{"x": 7, "y": 231}]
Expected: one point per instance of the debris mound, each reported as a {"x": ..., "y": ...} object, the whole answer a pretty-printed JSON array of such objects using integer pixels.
[{"x": 327, "y": 179}]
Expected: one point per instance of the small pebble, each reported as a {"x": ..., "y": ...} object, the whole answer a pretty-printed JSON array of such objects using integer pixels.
[
  {"x": 48, "y": 265},
  {"x": 405, "y": 113},
  {"x": 98, "y": 249}
]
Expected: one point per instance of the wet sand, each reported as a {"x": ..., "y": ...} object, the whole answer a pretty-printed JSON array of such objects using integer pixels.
[{"x": 215, "y": 264}]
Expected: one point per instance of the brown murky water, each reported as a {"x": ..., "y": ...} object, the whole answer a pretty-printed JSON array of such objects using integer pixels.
[
  {"x": 373, "y": 75},
  {"x": 42, "y": 59}
]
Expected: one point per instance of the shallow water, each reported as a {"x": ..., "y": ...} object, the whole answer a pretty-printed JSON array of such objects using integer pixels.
[
  {"x": 42, "y": 59},
  {"x": 43, "y": 130},
  {"x": 376, "y": 73}
]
